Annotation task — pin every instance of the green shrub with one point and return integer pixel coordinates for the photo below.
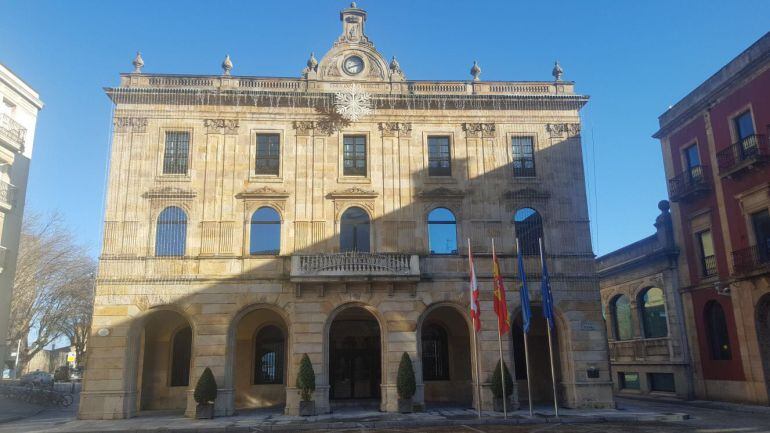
(497, 386)
(406, 384)
(306, 378)
(206, 388)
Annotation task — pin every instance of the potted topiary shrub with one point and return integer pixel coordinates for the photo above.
(406, 384)
(306, 385)
(497, 387)
(205, 395)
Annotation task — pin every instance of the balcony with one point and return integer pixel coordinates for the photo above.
(709, 266)
(743, 155)
(7, 195)
(355, 266)
(751, 259)
(12, 133)
(690, 184)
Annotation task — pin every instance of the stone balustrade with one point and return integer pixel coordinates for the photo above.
(352, 266)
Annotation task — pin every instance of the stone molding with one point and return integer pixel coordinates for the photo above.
(169, 193)
(396, 129)
(559, 130)
(441, 193)
(130, 124)
(221, 126)
(482, 130)
(304, 127)
(264, 192)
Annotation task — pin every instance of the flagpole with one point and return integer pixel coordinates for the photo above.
(550, 343)
(475, 342)
(526, 346)
(500, 345)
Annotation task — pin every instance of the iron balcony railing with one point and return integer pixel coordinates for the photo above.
(751, 258)
(690, 183)
(7, 193)
(12, 130)
(750, 150)
(709, 266)
(354, 265)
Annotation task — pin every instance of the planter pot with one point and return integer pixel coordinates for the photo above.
(307, 408)
(499, 404)
(204, 411)
(405, 405)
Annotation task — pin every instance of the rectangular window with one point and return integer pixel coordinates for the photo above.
(744, 127)
(761, 222)
(354, 155)
(661, 382)
(176, 152)
(628, 380)
(439, 159)
(523, 151)
(692, 158)
(708, 259)
(268, 155)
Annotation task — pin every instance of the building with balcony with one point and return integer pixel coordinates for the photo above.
(19, 107)
(251, 220)
(644, 314)
(715, 152)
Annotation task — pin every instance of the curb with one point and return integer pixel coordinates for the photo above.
(704, 404)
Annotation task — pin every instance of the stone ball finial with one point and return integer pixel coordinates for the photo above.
(312, 63)
(664, 206)
(138, 63)
(475, 71)
(227, 65)
(557, 71)
(353, 5)
(394, 66)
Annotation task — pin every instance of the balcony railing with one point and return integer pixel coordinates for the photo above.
(12, 132)
(709, 266)
(690, 184)
(751, 259)
(743, 154)
(355, 266)
(7, 194)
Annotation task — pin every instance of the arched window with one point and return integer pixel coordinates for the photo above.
(268, 356)
(171, 232)
(716, 331)
(181, 350)
(265, 232)
(620, 308)
(442, 231)
(435, 353)
(529, 230)
(652, 308)
(354, 230)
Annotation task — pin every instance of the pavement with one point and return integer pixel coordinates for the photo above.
(632, 416)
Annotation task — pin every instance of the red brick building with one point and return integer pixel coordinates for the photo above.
(717, 161)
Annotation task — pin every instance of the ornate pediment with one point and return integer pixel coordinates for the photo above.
(441, 193)
(263, 193)
(169, 193)
(353, 193)
(526, 194)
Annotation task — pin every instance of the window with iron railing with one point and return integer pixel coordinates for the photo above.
(707, 255)
(523, 152)
(268, 154)
(176, 152)
(439, 159)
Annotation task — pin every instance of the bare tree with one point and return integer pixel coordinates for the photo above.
(78, 325)
(51, 272)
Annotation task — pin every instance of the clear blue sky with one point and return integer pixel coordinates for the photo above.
(634, 58)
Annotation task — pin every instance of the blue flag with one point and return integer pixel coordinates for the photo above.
(545, 291)
(526, 313)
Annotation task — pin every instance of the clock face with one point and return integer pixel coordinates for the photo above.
(353, 65)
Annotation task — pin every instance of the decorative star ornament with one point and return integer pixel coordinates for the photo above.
(353, 103)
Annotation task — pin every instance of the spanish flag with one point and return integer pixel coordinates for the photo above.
(501, 306)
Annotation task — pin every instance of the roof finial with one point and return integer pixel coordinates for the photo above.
(394, 66)
(475, 71)
(557, 71)
(227, 65)
(312, 63)
(353, 5)
(138, 63)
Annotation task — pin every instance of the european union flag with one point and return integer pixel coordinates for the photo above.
(545, 291)
(526, 313)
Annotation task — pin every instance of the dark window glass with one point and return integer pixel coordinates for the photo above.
(354, 230)
(171, 232)
(761, 223)
(176, 152)
(268, 155)
(691, 156)
(628, 380)
(708, 258)
(181, 351)
(442, 232)
(439, 160)
(265, 232)
(621, 318)
(523, 151)
(529, 230)
(435, 353)
(661, 382)
(652, 306)
(269, 356)
(744, 127)
(354, 155)
(716, 331)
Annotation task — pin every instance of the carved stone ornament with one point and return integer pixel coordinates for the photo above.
(304, 127)
(221, 126)
(352, 193)
(396, 129)
(484, 130)
(353, 103)
(264, 192)
(130, 124)
(169, 193)
(441, 193)
(557, 130)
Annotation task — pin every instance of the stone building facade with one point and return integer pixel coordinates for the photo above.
(252, 220)
(643, 309)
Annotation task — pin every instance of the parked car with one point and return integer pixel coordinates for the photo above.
(39, 379)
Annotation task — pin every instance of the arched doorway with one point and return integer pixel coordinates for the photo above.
(355, 370)
(164, 374)
(539, 359)
(260, 372)
(763, 335)
(445, 352)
